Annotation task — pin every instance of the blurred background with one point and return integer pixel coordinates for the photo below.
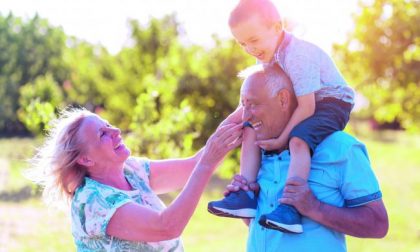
(165, 73)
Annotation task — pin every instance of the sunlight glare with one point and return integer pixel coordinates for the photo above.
(105, 22)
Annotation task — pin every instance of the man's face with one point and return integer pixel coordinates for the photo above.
(262, 109)
(257, 38)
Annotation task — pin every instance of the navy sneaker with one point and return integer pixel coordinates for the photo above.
(284, 218)
(240, 204)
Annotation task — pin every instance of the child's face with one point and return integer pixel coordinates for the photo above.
(257, 38)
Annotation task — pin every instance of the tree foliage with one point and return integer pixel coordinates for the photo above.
(168, 97)
(27, 50)
(382, 59)
(38, 102)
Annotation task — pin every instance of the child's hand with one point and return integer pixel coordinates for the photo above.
(272, 144)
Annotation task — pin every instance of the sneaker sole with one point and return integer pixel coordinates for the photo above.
(220, 214)
(296, 228)
(241, 213)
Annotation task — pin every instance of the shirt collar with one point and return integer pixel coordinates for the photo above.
(287, 37)
(269, 153)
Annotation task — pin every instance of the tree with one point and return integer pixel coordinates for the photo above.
(161, 124)
(38, 103)
(166, 96)
(210, 82)
(27, 50)
(382, 59)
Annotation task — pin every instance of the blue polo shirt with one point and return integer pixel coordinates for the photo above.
(340, 175)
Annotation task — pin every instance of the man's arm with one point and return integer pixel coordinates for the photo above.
(366, 221)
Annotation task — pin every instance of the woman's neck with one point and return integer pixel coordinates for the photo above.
(110, 176)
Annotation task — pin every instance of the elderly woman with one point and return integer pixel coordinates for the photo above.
(113, 196)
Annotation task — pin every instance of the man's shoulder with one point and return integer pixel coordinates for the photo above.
(343, 137)
(339, 145)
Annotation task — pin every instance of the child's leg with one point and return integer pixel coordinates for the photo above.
(286, 218)
(241, 204)
(300, 159)
(250, 155)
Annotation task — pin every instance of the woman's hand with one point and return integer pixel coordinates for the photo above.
(226, 138)
(234, 117)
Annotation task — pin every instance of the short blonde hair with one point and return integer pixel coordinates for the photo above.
(55, 166)
(265, 9)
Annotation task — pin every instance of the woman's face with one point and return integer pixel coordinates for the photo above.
(103, 142)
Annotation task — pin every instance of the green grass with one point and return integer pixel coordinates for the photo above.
(30, 226)
(395, 157)
(14, 155)
(209, 233)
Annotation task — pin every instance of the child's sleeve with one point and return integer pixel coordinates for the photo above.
(304, 72)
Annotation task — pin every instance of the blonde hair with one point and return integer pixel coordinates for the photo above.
(55, 166)
(265, 9)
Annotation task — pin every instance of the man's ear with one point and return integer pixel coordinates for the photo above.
(283, 97)
(85, 161)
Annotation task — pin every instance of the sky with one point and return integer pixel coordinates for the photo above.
(105, 22)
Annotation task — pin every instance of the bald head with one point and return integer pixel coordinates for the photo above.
(269, 76)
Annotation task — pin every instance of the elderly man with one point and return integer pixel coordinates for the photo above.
(343, 196)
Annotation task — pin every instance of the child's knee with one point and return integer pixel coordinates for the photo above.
(297, 144)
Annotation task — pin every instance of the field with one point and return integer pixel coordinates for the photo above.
(26, 224)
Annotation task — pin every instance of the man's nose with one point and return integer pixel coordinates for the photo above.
(115, 131)
(246, 115)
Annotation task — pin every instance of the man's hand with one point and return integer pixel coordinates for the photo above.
(298, 194)
(272, 144)
(239, 182)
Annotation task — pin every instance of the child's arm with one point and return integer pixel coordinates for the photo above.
(305, 109)
(250, 153)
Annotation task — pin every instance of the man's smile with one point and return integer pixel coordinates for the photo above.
(256, 125)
